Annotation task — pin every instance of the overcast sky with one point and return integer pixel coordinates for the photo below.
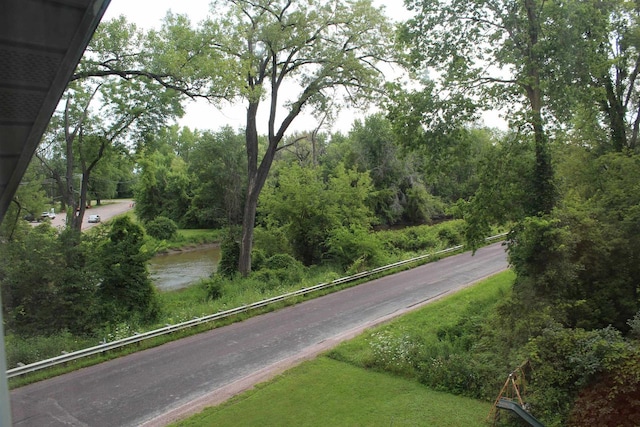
(201, 115)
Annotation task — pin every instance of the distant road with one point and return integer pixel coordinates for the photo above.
(107, 210)
(156, 386)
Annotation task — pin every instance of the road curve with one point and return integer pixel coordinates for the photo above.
(107, 210)
(156, 386)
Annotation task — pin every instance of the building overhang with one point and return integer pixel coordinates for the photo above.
(41, 43)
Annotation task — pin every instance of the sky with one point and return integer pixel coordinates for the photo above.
(202, 115)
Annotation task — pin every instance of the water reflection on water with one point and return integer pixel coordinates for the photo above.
(182, 269)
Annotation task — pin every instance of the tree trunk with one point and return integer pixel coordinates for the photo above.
(543, 187)
(251, 200)
(248, 223)
(257, 176)
(616, 111)
(69, 194)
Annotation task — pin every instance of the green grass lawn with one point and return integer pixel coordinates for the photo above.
(326, 392)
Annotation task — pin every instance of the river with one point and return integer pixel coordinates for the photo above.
(177, 270)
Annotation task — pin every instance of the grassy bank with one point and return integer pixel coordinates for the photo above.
(325, 392)
(369, 380)
(190, 238)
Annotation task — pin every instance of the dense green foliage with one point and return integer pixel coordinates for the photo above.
(161, 228)
(193, 178)
(54, 282)
(311, 209)
(276, 273)
(48, 283)
(125, 290)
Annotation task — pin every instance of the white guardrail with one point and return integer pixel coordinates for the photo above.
(101, 348)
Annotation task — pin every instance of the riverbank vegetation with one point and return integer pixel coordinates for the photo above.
(31, 336)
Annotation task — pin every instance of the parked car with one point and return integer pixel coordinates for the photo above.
(94, 218)
(50, 215)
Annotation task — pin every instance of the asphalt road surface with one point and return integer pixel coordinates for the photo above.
(160, 385)
(107, 210)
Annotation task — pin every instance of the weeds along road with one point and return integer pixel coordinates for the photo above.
(157, 386)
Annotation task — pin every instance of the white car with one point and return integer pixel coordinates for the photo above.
(46, 215)
(94, 218)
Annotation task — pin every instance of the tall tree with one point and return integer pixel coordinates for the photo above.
(99, 117)
(604, 37)
(163, 187)
(291, 55)
(492, 53)
(219, 162)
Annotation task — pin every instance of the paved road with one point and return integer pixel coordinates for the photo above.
(107, 210)
(156, 386)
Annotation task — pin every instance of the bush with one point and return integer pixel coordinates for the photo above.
(355, 245)
(272, 241)
(450, 233)
(397, 354)
(126, 291)
(422, 207)
(282, 261)
(634, 324)
(564, 361)
(410, 239)
(612, 399)
(279, 270)
(162, 228)
(452, 373)
(229, 256)
(214, 287)
(258, 258)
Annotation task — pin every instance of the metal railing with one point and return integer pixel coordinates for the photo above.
(101, 348)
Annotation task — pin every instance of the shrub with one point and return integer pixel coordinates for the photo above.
(272, 241)
(126, 291)
(282, 261)
(258, 259)
(348, 246)
(229, 256)
(421, 206)
(411, 239)
(564, 361)
(450, 234)
(634, 324)
(278, 270)
(214, 287)
(453, 373)
(398, 354)
(612, 399)
(162, 228)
